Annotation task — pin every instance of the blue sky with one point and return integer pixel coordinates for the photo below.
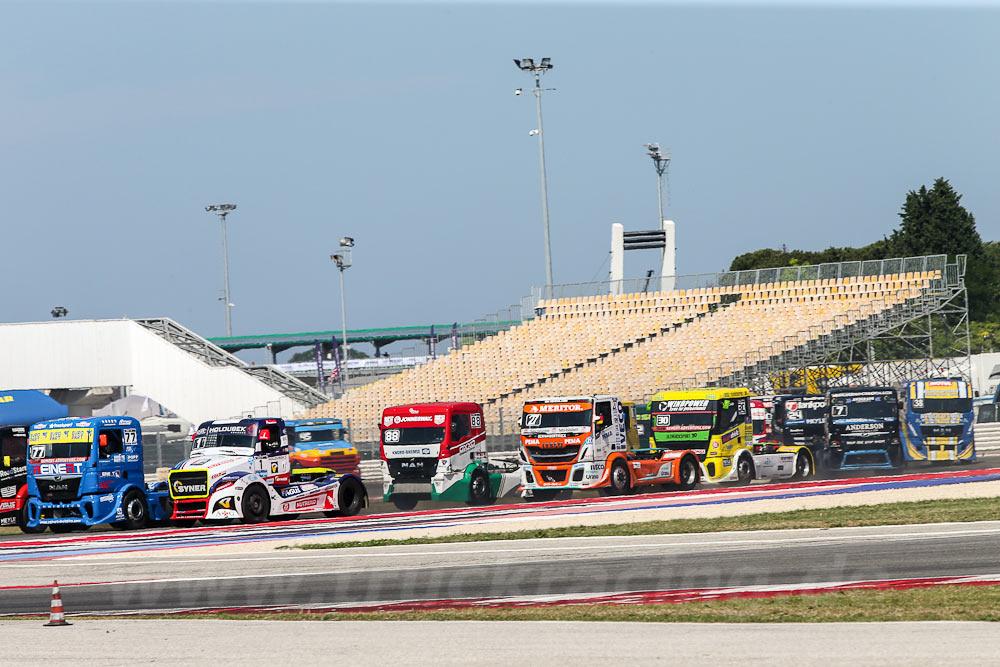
(802, 124)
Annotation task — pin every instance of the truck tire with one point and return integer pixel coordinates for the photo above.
(22, 522)
(404, 501)
(480, 492)
(803, 466)
(620, 480)
(350, 498)
(256, 504)
(744, 470)
(688, 473)
(135, 511)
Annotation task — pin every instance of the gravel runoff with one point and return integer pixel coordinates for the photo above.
(504, 524)
(179, 643)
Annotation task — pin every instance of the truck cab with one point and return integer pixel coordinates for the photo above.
(717, 424)
(14, 476)
(939, 417)
(437, 451)
(84, 472)
(591, 442)
(241, 469)
(862, 428)
(760, 418)
(321, 443)
(714, 424)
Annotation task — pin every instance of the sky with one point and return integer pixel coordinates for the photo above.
(396, 124)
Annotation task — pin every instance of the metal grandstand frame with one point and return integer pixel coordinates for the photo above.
(925, 336)
(877, 344)
(213, 355)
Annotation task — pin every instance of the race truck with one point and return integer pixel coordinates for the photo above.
(590, 442)
(18, 410)
(862, 429)
(715, 424)
(760, 417)
(320, 443)
(85, 472)
(938, 421)
(798, 420)
(437, 451)
(241, 469)
(14, 477)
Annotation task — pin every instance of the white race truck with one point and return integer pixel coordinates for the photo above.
(240, 469)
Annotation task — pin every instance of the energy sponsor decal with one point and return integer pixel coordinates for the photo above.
(181, 488)
(389, 420)
(686, 405)
(60, 435)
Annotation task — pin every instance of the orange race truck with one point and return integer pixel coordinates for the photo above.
(573, 443)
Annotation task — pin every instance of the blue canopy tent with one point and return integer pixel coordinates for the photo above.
(23, 407)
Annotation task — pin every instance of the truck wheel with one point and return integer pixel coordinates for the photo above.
(22, 522)
(896, 457)
(688, 473)
(480, 492)
(135, 511)
(621, 481)
(256, 504)
(350, 498)
(404, 502)
(803, 466)
(744, 470)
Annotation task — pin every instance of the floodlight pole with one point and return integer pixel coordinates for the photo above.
(344, 259)
(660, 162)
(222, 210)
(528, 65)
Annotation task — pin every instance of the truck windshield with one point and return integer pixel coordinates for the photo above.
(862, 407)
(61, 450)
(683, 421)
(579, 418)
(13, 447)
(316, 435)
(413, 435)
(923, 405)
(224, 440)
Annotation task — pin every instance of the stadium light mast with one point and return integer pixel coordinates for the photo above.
(529, 65)
(660, 161)
(344, 260)
(222, 210)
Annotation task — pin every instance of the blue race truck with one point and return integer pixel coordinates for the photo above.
(19, 409)
(862, 429)
(85, 472)
(939, 420)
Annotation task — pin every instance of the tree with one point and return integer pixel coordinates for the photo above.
(935, 222)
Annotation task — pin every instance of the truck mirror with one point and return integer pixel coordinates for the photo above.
(520, 421)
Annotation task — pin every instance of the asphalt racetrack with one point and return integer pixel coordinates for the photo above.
(238, 566)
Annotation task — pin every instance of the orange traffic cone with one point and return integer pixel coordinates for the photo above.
(56, 616)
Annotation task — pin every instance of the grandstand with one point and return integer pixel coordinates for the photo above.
(636, 344)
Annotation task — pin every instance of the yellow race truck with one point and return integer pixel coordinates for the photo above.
(715, 424)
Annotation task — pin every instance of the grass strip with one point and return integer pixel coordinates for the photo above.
(889, 514)
(937, 603)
